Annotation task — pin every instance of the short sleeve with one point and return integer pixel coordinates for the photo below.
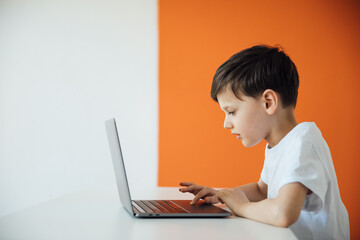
(264, 176)
(304, 166)
(264, 172)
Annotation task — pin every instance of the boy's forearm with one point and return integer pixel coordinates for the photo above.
(281, 211)
(265, 211)
(252, 192)
(270, 211)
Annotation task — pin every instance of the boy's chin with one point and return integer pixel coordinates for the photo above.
(249, 144)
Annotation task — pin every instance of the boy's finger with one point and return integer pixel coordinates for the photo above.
(192, 188)
(212, 199)
(184, 190)
(186, 183)
(218, 196)
(198, 196)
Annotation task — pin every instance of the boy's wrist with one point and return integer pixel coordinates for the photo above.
(241, 209)
(236, 200)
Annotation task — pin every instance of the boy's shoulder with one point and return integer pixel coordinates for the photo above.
(305, 137)
(307, 144)
(305, 132)
(306, 129)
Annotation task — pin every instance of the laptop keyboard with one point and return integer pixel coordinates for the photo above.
(157, 206)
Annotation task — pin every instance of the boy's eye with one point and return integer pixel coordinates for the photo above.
(231, 113)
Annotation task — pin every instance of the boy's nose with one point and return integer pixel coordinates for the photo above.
(227, 124)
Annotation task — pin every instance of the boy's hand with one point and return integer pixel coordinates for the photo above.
(233, 198)
(201, 192)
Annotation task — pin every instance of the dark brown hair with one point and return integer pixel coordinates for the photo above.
(256, 69)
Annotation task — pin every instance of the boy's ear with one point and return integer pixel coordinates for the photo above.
(271, 101)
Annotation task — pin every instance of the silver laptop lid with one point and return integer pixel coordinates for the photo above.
(118, 163)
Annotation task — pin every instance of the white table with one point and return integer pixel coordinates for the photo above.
(98, 214)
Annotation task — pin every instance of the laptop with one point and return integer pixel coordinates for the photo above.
(152, 208)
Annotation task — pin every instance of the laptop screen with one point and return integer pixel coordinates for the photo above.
(118, 163)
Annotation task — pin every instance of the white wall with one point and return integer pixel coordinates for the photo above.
(65, 67)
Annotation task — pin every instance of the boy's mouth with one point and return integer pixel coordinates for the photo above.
(238, 136)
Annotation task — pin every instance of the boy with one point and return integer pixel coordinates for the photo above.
(257, 89)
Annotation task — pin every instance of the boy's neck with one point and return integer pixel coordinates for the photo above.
(284, 122)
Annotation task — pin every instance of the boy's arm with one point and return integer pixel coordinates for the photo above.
(281, 211)
(254, 191)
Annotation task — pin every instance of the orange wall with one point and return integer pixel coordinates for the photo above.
(321, 37)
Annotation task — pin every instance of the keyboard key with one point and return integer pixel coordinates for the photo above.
(167, 206)
(143, 206)
(176, 207)
(154, 208)
(137, 207)
(159, 206)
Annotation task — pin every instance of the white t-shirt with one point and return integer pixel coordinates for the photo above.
(303, 156)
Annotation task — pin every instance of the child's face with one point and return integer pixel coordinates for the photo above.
(246, 118)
